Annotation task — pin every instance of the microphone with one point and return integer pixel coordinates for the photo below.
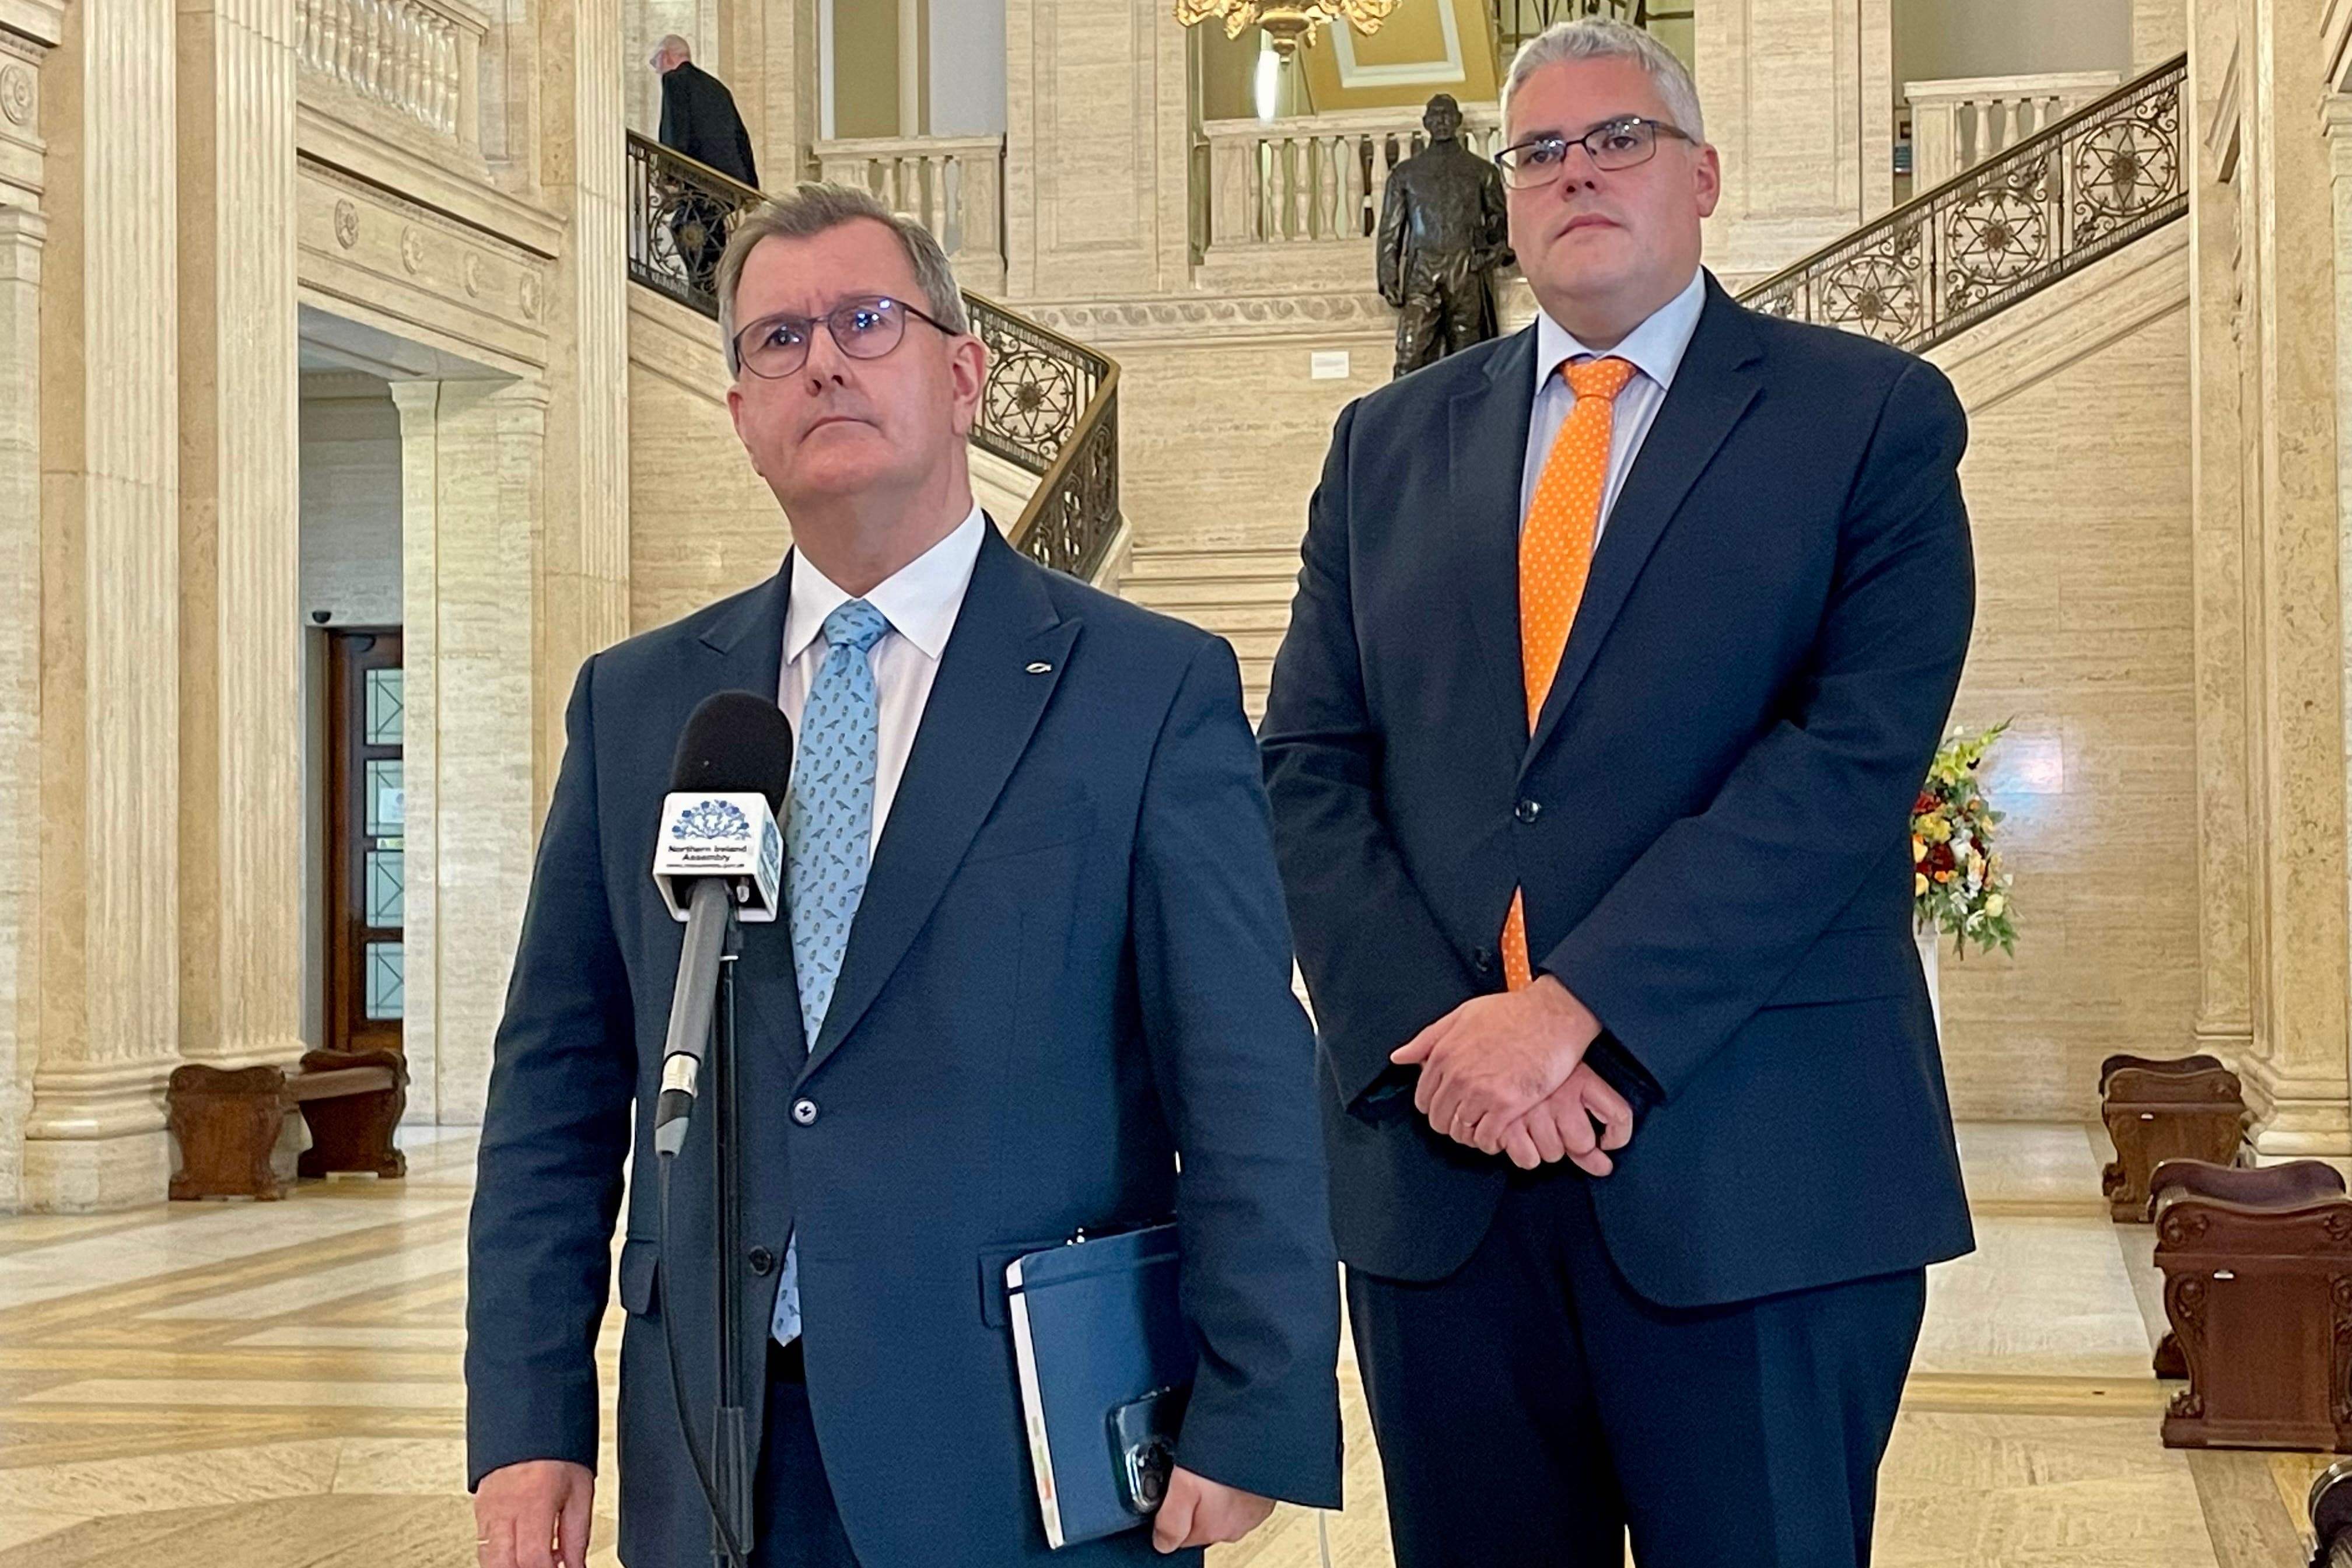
(718, 859)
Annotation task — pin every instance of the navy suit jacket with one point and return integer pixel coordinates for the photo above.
(1711, 819)
(1071, 965)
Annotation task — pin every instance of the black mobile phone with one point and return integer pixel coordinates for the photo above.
(1143, 1446)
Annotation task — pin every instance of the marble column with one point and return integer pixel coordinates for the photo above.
(472, 490)
(583, 583)
(23, 233)
(241, 714)
(2224, 1023)
(109, 584)
(1098, 172)
(2298, 1079)
(419, 403)
(910, 68)
(1798, 97)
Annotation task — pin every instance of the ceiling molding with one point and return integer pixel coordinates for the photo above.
(1407, 73)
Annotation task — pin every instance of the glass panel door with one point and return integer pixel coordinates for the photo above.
(367, 813)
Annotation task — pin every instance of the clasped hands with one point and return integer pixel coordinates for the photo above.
(1505, 1074)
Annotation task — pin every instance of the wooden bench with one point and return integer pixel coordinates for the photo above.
(2267, 1187)
(228, 1121)
(2258, 1288)
(2191, 1108)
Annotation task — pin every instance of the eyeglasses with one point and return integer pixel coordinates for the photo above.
(1619, 144)
(864, 328)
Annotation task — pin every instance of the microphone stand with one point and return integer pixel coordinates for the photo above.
(730, 1449)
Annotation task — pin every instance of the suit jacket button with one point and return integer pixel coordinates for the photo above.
(1483, 960)
(804, 1112)
(1528, 810)
(761, 1260)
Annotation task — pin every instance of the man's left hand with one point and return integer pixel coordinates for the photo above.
(1198, 1511)
(1489, 1061)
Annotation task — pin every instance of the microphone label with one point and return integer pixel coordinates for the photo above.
(733, 835)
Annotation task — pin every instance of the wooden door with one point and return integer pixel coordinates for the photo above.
(366, 816)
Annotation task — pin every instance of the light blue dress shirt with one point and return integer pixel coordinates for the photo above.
(1656, 349)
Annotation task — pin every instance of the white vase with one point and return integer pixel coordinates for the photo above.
(1928, 939)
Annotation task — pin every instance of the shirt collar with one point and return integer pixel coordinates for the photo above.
(1656, 347)
(919, 600)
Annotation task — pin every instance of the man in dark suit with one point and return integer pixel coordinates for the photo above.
(700, 121)
(1035, 953)
(1654, 870)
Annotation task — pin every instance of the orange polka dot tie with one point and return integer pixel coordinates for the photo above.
(1555, 558)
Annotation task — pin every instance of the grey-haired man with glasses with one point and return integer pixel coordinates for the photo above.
(1034, 956)
(1621, 646)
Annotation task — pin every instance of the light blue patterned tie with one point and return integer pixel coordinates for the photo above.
(829, 839)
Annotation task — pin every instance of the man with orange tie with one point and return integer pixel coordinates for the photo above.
(1620, 649)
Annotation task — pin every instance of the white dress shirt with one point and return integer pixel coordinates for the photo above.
(920, 601)
(1656, 349)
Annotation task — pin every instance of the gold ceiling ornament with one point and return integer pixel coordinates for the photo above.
(1287, 24)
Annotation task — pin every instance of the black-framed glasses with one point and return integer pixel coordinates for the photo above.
(1618, 144)
(866, 327)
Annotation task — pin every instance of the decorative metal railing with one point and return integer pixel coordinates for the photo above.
(1050, 405)
(680, 213)
(1517, 21)
(2045, 208)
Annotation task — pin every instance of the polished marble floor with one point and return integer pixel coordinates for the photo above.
(277, 1386)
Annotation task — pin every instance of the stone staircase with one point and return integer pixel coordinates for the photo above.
(2103, 187)
(1242, 596)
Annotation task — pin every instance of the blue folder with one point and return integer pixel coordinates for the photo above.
(1106, 1360)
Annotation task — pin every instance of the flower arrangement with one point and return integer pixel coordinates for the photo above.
(1959, 885)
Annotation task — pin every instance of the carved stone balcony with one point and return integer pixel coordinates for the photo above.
(408, 68)
(952, 185)
(1958, 124)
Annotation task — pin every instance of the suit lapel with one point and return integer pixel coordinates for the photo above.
(983, 707)
(1488, 454)
(746, 653)
(1712, 387)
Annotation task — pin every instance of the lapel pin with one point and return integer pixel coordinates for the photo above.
(1041, 667)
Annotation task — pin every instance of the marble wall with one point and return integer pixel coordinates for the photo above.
(22, 232)
(2078, 485)
(701, 524)
(351, 501)
(1205, 466)
(1799, 96)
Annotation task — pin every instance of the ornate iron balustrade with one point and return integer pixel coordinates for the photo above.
(1517, 21)
(2045, 208)
(680, 213)
(1050, 405)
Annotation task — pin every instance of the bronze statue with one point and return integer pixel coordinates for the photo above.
(1443, 233)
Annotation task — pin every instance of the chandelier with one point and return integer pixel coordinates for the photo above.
(1287, 24)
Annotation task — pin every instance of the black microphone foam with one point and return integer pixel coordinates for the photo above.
(735, 742)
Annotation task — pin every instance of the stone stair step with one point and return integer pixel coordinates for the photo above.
(1213, 565)
(1169, 593)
